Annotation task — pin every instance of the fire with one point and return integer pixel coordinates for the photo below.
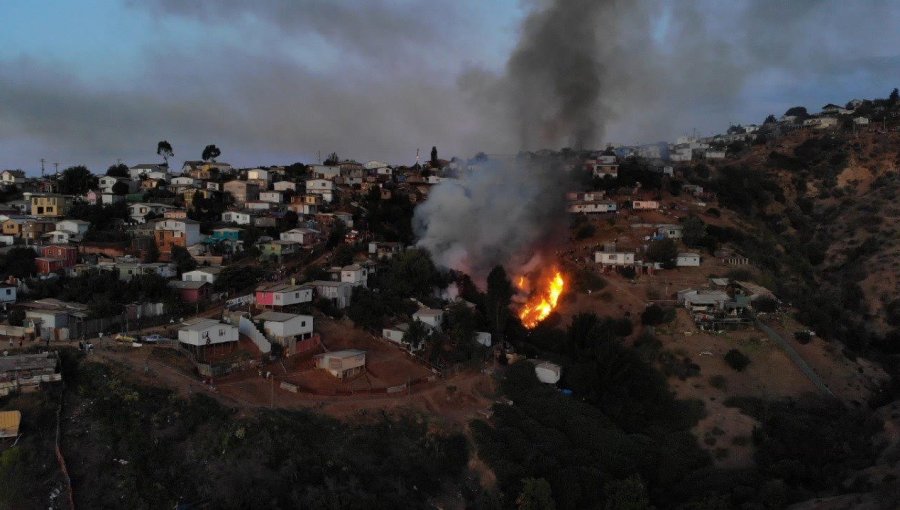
(542, 300)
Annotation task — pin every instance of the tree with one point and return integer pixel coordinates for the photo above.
(536, 495)
(120, 188)
(797, 111)
(16, 317)
(332, 159)
(76, 180)
(153, 254)
(693, 231)
(211, 152)
(894, 97)
(117, 170)
(663, 251)
(416, 335)
(164, 149)
(183, 260)
(737, 360)
(496, 301)
(434, 157)
(627, 494)
(19, 262)
(770, 119)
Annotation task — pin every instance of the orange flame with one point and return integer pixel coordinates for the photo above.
(542, 301)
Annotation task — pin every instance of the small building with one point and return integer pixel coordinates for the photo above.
(202, 274)
(76, 227)
(432, 317)
(68, 254)
(237, 217)
(9, 423)
(50, 205)
(25, 373)
(47, 265)
(8, 294)
(644, 205)
(384, 251)
(282, 294)
(242, 191)
(286, 329)
(687, 260)
(303, 236)
(272, 197)
(227, 234)
(483, 338)
(204, 332)
(355, 275)
(703, 300)
(397, 334)
(589, 207)
(191, 291)
(339, 293)
(342, 364)
(614, 258)
(284, 186)
(670, 231)
(279, 249)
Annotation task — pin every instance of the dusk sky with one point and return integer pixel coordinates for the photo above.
(274, 82)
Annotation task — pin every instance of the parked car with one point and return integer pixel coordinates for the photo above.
(125, 338)
(152, 339)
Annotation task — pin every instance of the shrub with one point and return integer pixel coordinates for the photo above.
(718, 382)
(655, 314)
(16, 317)
(737, 360)
(804, 337)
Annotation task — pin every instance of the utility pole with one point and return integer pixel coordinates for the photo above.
(42, 168)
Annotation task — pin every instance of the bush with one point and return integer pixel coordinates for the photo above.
(655, 314)
(718, 382)
(737, 360)
(16, 317)
(803, 337)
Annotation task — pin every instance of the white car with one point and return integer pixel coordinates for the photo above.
(152, 339)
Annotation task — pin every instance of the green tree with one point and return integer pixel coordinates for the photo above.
(332, 159)
(16, 317)
(117, 170)
(210, 152)
(894, 96)
(627, 494)
(416, 335)
(120, 188)
(19, 262)
(536, 495)
(499, 294)
(183, 260)
(797, 111)
(76, 180)
(770, 119)
(164, 149)
(663, 251)
(737, 360)
(693, 231)
(434, 157)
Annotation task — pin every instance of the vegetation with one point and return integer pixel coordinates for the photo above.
(76, 180)
(737, 360)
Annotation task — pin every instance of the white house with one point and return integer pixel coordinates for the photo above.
(355, 275)
(641, 205)
(397, 334)
(687, 260)
(257, 205)
(76, 227)
(321, 187)
(258, 174)
(273, 197)
(203, 274)
(304, 236)
(483, 338)
(284, 186)
(182, 180)
(285, 329)
(339, 293)
(188, 229)
(7, 294)
(548, 373)
(614, 258)
(205, 332)
(59, 237)
(241, 218)
(140, 210)
(136, 171)
(861, 121)
(713, 154)
(324, 172)
(10, 177)
(430, 316)
(342, 364)
(283, 294)
(670, 231)
(591, 207)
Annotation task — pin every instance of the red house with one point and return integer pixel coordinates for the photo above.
(191, 292)
(47, 265)
(68, 254)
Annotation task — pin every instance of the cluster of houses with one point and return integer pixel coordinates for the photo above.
(723, 303)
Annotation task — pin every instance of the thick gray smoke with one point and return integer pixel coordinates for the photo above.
(496, 213)
(555, 76)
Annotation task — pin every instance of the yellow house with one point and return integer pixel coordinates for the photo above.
(9, 423)
(50, 205)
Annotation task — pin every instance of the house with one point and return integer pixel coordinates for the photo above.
(259, 177)
(12, 177)
(58, 237)
(483, 338)
(257, 205)
(430, 316)
(111, 198)
(47, 265)
(343, 364)
(383, 250)
(605, 166)
(272, 197)
(339, 293)
(13, 227)
(302, 236)
(237, 217)
(833, 109)
(34, 229)
(397, 334)
(285, 329)
(324, 172)
(670, 231)
(182, 181)
(242, 191)
(191, 291)
(714, 154)
(199, 333)
(24, 373)
(614, 258)
(108, 182)
(355, 275)
(279, 249)
(591, 207)
(227, 234)
(861, 121)
(8, 294)
(139, 211)
(75, 227)
(169, 233)
(641, 205)
(687, 260)
(282, 294)
(203, 274)
(321, 187)
(68, 254)
(50, 205)
(704, 300)
(136, 171)
(283, 186)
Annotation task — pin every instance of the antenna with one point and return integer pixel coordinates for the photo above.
(417, 156)
(56, 166)
(42, 168)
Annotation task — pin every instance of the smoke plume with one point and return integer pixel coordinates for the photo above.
(497, 213)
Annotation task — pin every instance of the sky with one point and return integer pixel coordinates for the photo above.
(274, 82)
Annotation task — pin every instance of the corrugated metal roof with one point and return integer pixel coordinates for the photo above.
(9, 423)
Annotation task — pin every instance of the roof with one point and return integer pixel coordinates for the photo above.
(208, 269)
(27, 362)
(201, 324)
(328, 283)
(278, 316)
(178, 284)
(429, 312)
(9, 423)
(280, 287)
(346, 353)
(688, 254)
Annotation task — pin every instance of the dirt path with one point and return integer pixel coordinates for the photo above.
(795, 357)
